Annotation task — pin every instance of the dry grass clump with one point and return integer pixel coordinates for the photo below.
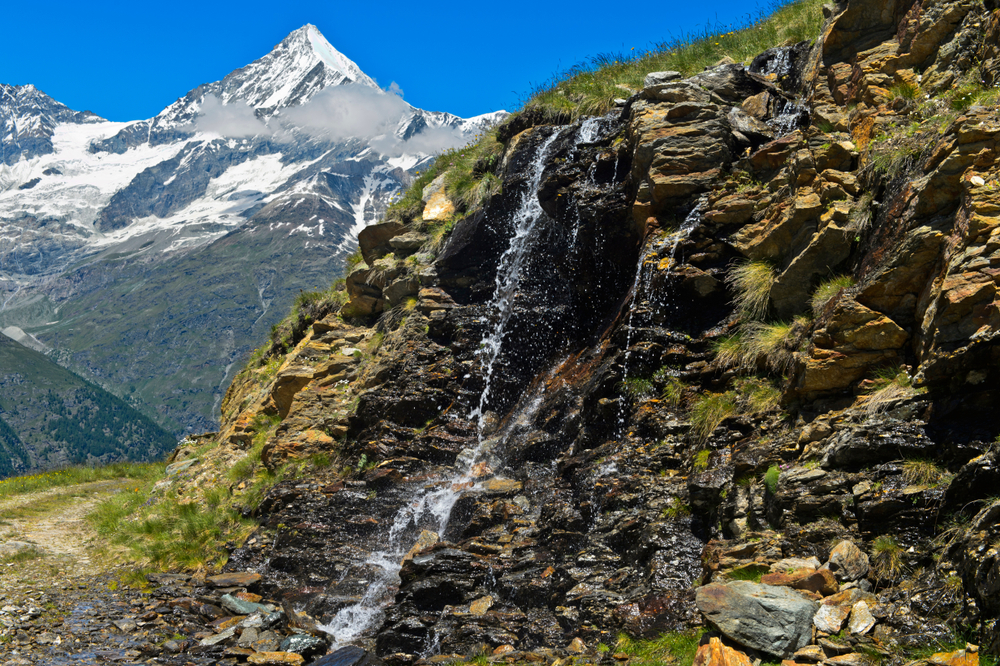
(889, 386)
(752, 282)
(923, 472)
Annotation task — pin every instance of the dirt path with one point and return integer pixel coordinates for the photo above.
(53, 522)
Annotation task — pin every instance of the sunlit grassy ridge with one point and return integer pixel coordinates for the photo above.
(591, 88)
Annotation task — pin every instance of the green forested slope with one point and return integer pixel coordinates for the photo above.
(50, 417)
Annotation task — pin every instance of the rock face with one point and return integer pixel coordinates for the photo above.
(563, 421)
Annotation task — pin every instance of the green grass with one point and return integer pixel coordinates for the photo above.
(590, 88)
(637, 388)
(71, 476)
(905, 90)
(751, 281)
(470, 181)
(771, 343)
(757, 396)
(771, 477)
(677, 509)
(170, 532)
(708, 411)
(887, 558)
(668, 648)
(700, 461)
(750, 572)
(730, 351)
(828, 290)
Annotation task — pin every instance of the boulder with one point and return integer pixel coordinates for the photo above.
(831, 618)
(820, 581)
(659, 78)
(438, 207)
(407, 243)
(345, 656)
(774, 620)
(861, 620)
(374, 240)
(848, 562)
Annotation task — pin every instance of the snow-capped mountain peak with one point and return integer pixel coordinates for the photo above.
(330, 56)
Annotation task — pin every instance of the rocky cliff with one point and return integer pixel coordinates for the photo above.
(725, 357)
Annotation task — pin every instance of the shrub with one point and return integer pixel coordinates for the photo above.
(828, 290)
(752, 281)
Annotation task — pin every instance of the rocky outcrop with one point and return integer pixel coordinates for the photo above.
(561, 423)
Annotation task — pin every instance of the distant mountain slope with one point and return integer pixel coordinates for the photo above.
(50, 417)
(151, 256)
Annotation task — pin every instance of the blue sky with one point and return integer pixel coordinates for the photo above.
(128, 61)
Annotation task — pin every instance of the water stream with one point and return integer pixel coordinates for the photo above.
(431, 509)
(649, 261)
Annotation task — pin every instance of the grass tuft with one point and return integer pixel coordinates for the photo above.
(923, 472)
(887, 558)
(890, 385)
(708, 411)
(752, 282)
(770, 343)
(829, 290)
(669, 648)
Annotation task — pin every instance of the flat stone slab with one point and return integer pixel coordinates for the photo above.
(239, 579)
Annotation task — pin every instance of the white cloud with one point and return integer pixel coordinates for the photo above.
(348, 111)
(231, 120)
(336, 113)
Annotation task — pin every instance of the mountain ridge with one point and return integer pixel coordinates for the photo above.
(125, 203)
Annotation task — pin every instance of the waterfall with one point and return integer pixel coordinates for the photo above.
(649, 257)
(431, 509)
(508, 277)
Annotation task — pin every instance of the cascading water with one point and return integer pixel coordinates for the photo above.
(431, 510)
(648, 260)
